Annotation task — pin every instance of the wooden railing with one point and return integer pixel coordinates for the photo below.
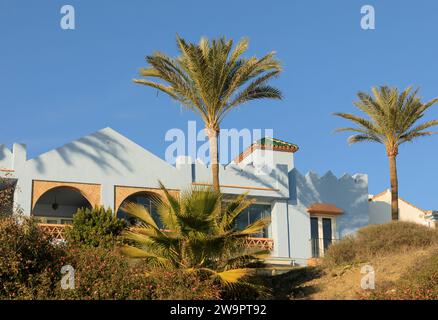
(56, 231)
(260, 243)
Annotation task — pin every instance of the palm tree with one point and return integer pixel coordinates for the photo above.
(198, 234)
(212, 78)
(392, 119)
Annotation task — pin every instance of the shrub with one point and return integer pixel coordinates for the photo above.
(102, 273)
(201, 235)
(381, 239)
(342, 252)
(96, 227)
(175, 284)
(7, 188)
(28, 261)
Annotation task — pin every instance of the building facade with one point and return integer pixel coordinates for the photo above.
(307, 212)
(380, 211)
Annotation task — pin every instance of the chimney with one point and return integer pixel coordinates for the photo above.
(19, 155)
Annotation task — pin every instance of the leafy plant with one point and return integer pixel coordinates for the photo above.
(392, 119)
(95, 227)
(211, 79)
(7, 188)
(200, 235)
(29, 264)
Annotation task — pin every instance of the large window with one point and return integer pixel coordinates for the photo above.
(145, 200)
(252, 214)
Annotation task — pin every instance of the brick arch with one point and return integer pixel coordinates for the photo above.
(121, 193)
(91, 192)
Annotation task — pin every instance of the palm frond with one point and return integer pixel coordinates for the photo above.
(392, 117)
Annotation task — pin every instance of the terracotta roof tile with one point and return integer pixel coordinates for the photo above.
(324, 208)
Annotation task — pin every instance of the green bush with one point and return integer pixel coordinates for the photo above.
(95, 228)
(29, 262)
(175, 284)
(102, 273)
(30, 268)
(7, 188)
(381, 239)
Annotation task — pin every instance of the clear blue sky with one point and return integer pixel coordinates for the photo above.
(56, 85)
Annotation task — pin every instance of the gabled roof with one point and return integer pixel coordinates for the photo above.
(267, 143)
(381, 194)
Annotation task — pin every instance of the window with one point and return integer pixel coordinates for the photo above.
(322, 230)
(252, 214)
(147, 201)
(327, 232)
(314, 235)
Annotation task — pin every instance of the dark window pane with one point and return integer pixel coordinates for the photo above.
(251, 215)
(314, 235)
(147, 202)
(327, 231)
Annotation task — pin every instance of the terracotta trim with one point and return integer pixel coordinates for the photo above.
(400, 198)
(253, 147)
(90, 191)
(234, 186)
(379, 195)
(324, 209)
(412, 205)
(121, 193)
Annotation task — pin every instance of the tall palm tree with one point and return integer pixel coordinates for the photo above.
(211, 79)
(198, 234)
(392, 119)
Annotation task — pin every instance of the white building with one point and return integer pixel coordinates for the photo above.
(380, 211)
(105, 168)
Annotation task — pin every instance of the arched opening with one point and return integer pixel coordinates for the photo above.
(59, 204)
(145, 199)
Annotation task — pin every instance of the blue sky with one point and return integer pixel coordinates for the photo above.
(57, 85)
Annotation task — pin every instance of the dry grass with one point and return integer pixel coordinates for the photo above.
(394, 250)
(343, 282)
(380, 240)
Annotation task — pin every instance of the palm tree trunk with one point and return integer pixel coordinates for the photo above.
(394, 186)
(214, 157)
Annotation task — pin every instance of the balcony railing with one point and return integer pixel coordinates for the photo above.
(56, 231)
(260, 243)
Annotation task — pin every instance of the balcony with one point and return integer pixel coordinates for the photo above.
(56, 231)
(260, 243)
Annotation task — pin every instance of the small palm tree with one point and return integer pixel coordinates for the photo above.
(392, 119)
(211, 79)
(198, 235)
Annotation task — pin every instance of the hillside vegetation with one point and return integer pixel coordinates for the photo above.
(404, 257)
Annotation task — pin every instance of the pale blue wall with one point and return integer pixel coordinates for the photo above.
(110, 159)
